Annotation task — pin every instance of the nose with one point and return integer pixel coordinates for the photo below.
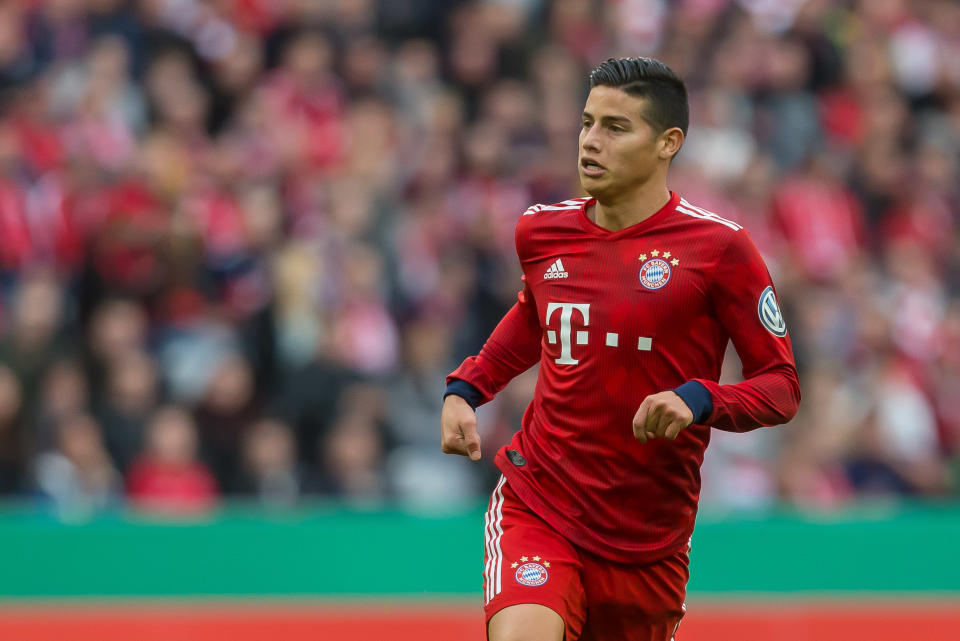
(590, 139)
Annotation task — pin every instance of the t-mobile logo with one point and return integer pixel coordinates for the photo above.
(566, 318)
(644, 343)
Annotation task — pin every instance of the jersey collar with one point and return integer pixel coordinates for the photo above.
(644, 225)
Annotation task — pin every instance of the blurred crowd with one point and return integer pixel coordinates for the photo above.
(243, 241)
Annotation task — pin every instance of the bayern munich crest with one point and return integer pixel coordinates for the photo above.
(655, 272)
(530, 571)
(532, 574)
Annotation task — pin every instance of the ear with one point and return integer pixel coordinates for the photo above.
(670, 142)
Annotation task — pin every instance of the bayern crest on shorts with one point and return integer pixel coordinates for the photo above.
(654, 273)
(532, 574)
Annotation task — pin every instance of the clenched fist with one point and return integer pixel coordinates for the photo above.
(458, 428)
(663, 414)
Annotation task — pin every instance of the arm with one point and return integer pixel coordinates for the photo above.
(512, 348)
(770, 391)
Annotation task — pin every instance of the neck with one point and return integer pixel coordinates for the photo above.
(621, 212)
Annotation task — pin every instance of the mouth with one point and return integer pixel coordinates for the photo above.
(590, 167)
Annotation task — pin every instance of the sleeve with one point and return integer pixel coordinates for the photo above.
(745, 302)
(513, 348)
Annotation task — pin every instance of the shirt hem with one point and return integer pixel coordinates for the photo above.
(580, 537)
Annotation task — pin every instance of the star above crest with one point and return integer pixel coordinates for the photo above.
(664, 255)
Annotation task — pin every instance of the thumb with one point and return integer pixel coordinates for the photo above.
(640, 420)
(472, 441)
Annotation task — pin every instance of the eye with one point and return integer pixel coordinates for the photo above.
(617, 128)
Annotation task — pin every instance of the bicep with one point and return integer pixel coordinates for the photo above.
(746, 303)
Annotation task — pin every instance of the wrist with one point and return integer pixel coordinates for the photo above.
(466, 391)
(697, 398)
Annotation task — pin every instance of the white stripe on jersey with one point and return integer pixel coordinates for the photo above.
(722, 221)
(573, 203)
(707, 212)
(707, 215)
(537, 210)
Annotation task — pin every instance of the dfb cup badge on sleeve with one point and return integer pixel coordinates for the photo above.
(769, 312)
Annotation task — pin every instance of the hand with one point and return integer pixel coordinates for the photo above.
(458, 428)
(663, 414)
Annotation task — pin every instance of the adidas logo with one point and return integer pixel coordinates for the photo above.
(556, 271)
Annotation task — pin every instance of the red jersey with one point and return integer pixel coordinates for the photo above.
(613, 317)
(164, 487)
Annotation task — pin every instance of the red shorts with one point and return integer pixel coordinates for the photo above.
(527, 561)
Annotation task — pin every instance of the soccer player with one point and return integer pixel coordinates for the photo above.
(630, 297)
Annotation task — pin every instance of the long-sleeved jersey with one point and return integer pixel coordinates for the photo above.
(613, 317)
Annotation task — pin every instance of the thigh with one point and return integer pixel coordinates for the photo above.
(526, 621)
(527, 561)
(634, 602)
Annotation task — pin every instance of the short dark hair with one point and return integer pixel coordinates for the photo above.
(664, 90)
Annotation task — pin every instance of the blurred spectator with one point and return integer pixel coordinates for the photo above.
(305, 96)
(789, 111)
(32, 341)
(899, 450)
(103, 109)
(271, 473)
(363, 335)
(64, 393)
(168, 478)
(117, 327)
(351, 453)
(18, 58)
(131, 394)
(223, 414)
(820, 219)
(412, 396)
(192, 346)
(416, 468)
(77, 476)
(12, 433)
(810, 471)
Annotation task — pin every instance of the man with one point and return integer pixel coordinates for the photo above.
(630, 297)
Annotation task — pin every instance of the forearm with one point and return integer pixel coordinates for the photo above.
(770, 398)
(512, 348)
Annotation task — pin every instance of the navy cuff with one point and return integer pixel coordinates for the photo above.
(698, 399)
(464, 390)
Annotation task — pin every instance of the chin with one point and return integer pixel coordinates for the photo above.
(592, 186)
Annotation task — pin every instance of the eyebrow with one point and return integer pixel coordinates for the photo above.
(609, 119)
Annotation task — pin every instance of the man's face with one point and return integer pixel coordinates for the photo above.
(619, 150)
